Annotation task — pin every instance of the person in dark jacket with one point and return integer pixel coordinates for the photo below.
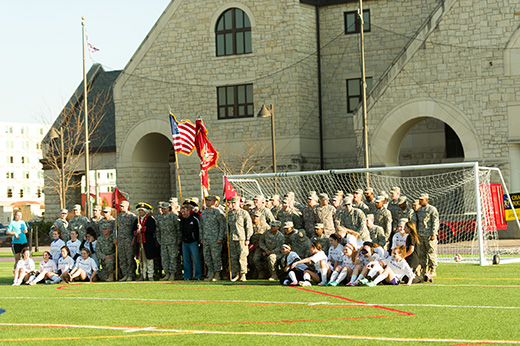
(143, 229)
(190, 243)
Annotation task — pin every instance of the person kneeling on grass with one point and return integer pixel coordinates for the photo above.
(344, 270)
(321, 264)
(47, 269)
(295, 274)
(85, 269)
(395, 267)
(24, 268)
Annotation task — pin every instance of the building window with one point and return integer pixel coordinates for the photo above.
(352, 23)
(10, 159)
(21, 193)
(39, 193)
(235, 101)
(233, 33)
(26, 175)
(25, 160)
(9, 192)
(354, 94)
(38, 145)
(8, 129)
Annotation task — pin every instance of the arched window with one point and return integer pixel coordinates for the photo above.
(233, 33)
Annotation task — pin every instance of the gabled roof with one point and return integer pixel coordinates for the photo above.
(100, 106)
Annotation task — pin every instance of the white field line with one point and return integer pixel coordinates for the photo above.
(269, 302)
(175, 331)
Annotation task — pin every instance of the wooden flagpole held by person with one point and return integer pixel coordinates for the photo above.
(178, 176)
(228, 243)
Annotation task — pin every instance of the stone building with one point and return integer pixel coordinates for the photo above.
(441, 87)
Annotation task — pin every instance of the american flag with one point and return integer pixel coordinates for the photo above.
(183, 133)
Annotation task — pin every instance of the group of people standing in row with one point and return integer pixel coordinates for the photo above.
(356, 237)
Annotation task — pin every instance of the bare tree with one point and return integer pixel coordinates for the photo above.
(252, 157)
(70, 126)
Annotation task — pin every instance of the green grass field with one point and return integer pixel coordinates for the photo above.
(466, 305)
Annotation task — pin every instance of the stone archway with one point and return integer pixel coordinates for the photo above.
(144, 166)
(390, 132)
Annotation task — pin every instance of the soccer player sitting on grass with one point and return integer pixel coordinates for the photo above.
(47, 269)
(345, 268)
(321, 264)
(295, 274)
(65, 265)
(24, 268)
(395, 267)
(85, 269)
(365, 255)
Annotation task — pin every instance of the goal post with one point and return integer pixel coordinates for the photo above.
(469, 199)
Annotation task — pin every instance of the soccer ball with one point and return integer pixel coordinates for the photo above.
(457, 258)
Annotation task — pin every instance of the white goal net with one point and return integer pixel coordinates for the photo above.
(470, 206)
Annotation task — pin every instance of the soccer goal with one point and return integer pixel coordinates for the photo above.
(469, 198)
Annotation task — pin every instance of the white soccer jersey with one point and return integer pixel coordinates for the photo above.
(88, 265)
(400, 268)
(347, 262)
(317, 257)
(293, 257)
(335, 254)
(65, 264)
(55, 251)
(48, 266)
(27, 265)
(74, 247)
(398, 240)
(381, 253)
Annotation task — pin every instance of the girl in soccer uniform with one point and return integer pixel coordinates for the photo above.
(74, 245)
(365, 255)
(90, 244)
(65, 264)
(85, 268)
(46, 269)
(56, 245)
(321, 264)
(400, 236)
(335, 250)
(395, 267)
(343, 271)
(24, 268)
(295, 274)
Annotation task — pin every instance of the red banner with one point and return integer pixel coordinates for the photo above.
(229, 190)
(208, 155)
(118, 198)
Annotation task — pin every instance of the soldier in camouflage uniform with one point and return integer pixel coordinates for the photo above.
(377, 234)
(271, 244)
(107, 218)
(266, 216)
(125, 250)
(382, 217)
(358, 203)
(106, 251)
(297, 239)
(326, 214)
(427, 221)
(321, 238)
(370, 200)
(255, 257)
(79, 223)
(276, 206)
(168, 235)
(354, 219)
(289, 213)
(308, 214)
(393, 205)
(404, 211)
(62, 224)
(94, 220)
(240, 231)
(212, 235)
(294, 203)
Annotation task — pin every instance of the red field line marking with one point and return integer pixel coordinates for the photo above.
(248, 303)
(357, 302)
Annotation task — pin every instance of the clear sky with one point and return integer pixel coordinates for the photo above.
(41, 54)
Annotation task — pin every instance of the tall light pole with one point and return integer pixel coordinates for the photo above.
(53, 135)
(266, 112)
(364, 88)
(87, 141)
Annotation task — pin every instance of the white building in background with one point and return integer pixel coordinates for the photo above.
(21, 183)
(104, 181)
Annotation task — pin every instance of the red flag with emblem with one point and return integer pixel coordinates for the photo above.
(118, 198)
(208, 155)
(229, 190)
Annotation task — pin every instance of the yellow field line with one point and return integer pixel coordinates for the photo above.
(95, 337)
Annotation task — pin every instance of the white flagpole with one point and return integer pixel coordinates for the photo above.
(87, 149)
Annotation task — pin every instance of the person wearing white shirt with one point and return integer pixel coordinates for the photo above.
(24, 268)
(345, 268)
(46, 269)
(74, 244)
(56, 245)
(395, 268)
(65, 264)
(321, 264)
(85, 268)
